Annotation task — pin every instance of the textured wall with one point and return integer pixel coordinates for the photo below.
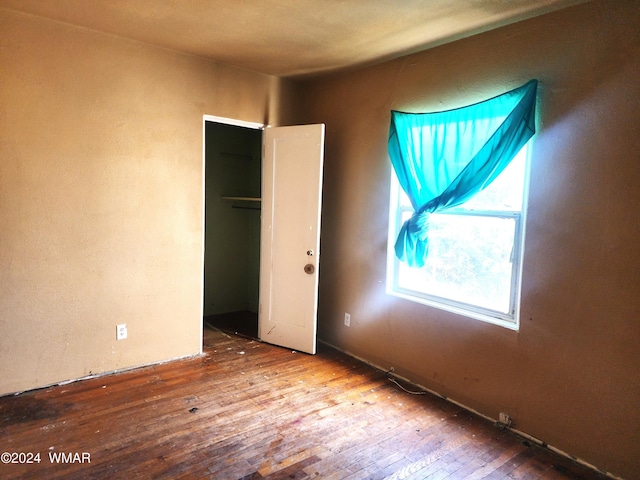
(570, 375)
(101, 196)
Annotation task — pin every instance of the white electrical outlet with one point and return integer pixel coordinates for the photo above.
(347, 319)
(121, 331)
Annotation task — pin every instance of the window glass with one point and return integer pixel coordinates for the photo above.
(473, 264)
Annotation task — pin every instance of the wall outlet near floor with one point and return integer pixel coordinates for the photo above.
(504, 419)
(121, 331)
(347, 319)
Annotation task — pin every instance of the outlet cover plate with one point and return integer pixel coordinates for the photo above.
(121, 331)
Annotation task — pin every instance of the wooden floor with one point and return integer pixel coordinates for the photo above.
(250, 410)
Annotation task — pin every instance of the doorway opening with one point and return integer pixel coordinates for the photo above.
(232, 205)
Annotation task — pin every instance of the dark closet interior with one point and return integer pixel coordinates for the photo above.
(233, 161)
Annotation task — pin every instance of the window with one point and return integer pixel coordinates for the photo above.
(473, 266)
(456, 224)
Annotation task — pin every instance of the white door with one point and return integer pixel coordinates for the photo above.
(290, 236)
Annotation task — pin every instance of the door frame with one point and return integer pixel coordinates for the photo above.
(224, 121)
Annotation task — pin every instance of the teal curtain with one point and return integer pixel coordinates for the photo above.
(442, 159)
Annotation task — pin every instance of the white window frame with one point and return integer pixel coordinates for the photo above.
(511, 319)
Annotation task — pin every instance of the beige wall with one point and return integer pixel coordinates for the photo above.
(570, 375)
(101, 215)
(101, 196)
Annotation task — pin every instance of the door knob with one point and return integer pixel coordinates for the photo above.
(309, 268)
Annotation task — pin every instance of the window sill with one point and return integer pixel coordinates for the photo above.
(460, 310)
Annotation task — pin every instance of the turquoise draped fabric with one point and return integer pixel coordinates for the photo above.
(442, 159)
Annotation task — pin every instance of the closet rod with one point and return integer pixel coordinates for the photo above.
(245, 208)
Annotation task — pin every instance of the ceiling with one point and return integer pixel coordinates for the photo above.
(291, 38)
